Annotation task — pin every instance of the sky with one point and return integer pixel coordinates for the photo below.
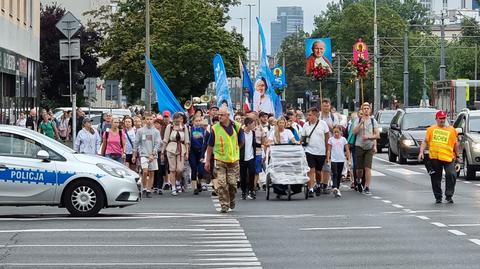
(268, 13)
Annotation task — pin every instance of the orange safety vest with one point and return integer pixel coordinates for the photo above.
(441, 142)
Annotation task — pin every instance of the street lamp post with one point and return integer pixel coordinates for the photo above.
(241, 24)
(250, 37)
(148, 88)
(376, 81)
(442, 47)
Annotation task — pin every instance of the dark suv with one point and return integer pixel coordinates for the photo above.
(407, 131)
(384, 118)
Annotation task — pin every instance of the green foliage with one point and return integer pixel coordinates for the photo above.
(185, 35)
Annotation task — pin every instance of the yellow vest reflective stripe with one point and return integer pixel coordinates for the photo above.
(226, 147)
(441, 146)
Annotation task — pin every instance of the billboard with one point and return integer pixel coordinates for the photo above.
(318, 52)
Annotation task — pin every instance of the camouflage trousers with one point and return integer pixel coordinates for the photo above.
(227, 176)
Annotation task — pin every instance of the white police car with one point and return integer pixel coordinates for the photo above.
(37, 170)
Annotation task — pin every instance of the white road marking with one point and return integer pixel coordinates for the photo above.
(101, 246)
(478, 185)
(102, 230)
(387, 201)
(220, 237)
(216, 204)
(376, 173)
(222, 234)
(246, 259)
(247, 254)
(397, 206)
(228, 264)
(465, 225)
(217, 220)
(223, 242)
(457, 232)
(407, 210)
(438, 224)
(404, 171)
(341, 228)
(87, 264)
(220, 250)
(226, 245)
(376, 197)
(467, 182)
(385, 161)
(423, 217)
(475, 241)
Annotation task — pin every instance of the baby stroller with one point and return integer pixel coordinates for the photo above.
(287, 171)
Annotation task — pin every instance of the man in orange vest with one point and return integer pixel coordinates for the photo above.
(443, 151)
(225, 141)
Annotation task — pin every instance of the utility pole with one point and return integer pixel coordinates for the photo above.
(405, 69)
(476, 71)
(442, 47)
(339, 84)
(258, 50)
(357, 94)
(148, 84)
(424, 94)
(376, 88)
(250, 38)
(241, 24)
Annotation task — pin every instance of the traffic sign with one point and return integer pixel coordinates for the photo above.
(68, 25)
(73, 53)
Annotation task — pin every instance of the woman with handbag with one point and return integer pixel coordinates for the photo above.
(113, 146)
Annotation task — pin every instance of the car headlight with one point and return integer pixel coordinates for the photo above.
(114, 171)
(476, 146)
(408, 142)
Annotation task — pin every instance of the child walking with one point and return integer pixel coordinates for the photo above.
(337, 146)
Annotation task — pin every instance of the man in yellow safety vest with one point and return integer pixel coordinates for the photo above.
(443, 151)
(225, 141)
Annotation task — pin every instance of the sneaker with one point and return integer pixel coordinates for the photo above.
(244, 196)
(367, 190)
(318, 190)
(335, 192)
(311, 194)
(449, 200)
(166, 187)
(204, 188)
(232, 205)
(325, 190)
(196, 192)
(174, 193)
(199, 187)
(264, 187)
(160, 192)
(438, 201)
(149, 194)
(155, 190)
(253, 194)
(224, 209)
(359, 188)
(339, 194)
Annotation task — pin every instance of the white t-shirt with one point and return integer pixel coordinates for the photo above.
(249, 154)
(316, 145)
(338, 147)
(285, 137)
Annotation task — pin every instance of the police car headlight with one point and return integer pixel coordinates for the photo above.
(116, 172)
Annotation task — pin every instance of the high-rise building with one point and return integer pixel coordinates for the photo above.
(19, 57)
(289, 21)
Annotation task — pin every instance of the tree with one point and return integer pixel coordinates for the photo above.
(184, 38)
(54, 76)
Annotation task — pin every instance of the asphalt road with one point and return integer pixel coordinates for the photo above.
(398, 226)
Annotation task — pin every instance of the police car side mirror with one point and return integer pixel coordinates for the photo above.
(459, 131)
(43, 154)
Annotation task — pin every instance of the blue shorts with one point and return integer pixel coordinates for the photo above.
(258, 164)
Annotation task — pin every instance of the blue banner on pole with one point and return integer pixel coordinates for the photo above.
(221, 84)
(165, 98)
(265, 98)
(280, 79)
(247, 83)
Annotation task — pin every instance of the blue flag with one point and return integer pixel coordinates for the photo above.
(165, 98)
(221, 84)
(265, 72)
(247, 83)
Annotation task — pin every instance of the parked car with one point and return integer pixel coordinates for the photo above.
(384, 117)
(407, 132)
(467, 125)
(37, 170)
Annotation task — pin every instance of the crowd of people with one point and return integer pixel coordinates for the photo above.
(226, 151)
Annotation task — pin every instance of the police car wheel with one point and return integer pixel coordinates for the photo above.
(84, 199)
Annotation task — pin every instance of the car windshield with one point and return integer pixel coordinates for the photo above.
(418, 120)
(385, 118)
(474, 124)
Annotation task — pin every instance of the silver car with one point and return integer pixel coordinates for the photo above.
(37, 170)
(467, 125)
